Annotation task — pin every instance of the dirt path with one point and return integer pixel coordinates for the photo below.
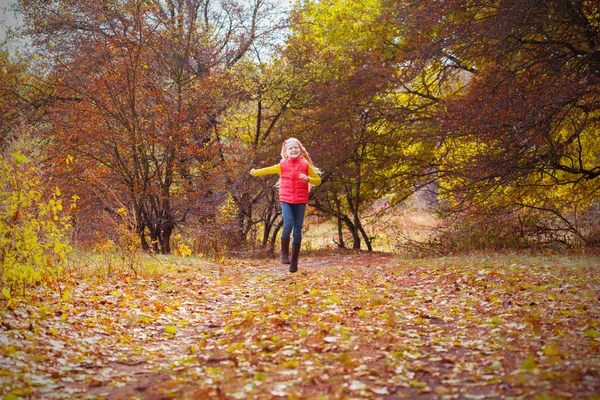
(150, 384)
(350, 326)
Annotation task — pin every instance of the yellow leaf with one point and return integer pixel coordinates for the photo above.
(6, 293)
(529, 364)
(170, 329)
(551, 350)
(260, 376)
(291, 364)
(19, 158)
(592, 333)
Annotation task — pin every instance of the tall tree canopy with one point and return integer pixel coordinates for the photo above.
(523, 131)
(160, 107)
(355, 117)
(147, 81)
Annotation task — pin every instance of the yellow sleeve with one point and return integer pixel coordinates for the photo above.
(274, 169)
(313, 178)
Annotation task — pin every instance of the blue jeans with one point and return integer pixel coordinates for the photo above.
(293, 218)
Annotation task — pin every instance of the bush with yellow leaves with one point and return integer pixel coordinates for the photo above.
(33, 228)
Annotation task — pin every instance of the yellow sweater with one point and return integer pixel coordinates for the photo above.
(313, 178)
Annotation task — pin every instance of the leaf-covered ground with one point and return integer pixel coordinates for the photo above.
(346, 326)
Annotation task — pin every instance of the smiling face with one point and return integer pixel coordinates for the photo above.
(292, 149)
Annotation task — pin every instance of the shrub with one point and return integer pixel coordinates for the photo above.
(33, 226)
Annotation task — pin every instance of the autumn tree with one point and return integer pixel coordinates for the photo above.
(10, 100)
(356, 121)
(521, 135)
(250, 128)
(24, 101)
(149, 80)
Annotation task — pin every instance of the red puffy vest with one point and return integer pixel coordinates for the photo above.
(292, 189)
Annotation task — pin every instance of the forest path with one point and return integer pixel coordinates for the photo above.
(260, 276)
(347, 325)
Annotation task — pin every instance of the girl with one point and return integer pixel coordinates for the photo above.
(297, 171)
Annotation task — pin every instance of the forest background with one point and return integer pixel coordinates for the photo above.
(134, 124)
(127, 132)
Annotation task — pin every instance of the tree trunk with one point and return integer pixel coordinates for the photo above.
(271, 250)
(165, 239)
(340, 227)
(354, 209)
(365, 237)
(241, 221)
(160, 224)
(270, 218)
(353, 230)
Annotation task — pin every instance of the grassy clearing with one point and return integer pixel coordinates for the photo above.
(391, 231)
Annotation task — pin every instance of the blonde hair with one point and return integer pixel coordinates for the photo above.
(303, 153)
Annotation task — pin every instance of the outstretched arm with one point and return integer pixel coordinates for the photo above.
(274, 169)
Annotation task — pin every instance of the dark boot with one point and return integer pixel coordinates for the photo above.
(294, 262)
(285, 251)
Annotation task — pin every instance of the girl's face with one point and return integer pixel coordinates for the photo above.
(292, 149)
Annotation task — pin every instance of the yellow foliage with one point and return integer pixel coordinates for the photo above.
(340, 24)
(33, 229)
(184, 250)
(104, 246)
(227, 212)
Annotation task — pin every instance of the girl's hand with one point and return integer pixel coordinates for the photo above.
(252, 172)
(304, 177)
